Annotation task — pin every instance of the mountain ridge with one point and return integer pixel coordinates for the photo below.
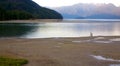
(86, 10)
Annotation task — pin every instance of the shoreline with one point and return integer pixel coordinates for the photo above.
(60, 21)
(60, 37)
(63, 51)
(32, 21)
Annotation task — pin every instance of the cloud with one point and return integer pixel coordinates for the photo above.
(57, 3)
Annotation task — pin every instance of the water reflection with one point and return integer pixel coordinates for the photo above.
(54, 30)
(15, 29)
(47, 30)
(75, 30)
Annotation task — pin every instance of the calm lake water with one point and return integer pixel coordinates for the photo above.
(81, 28)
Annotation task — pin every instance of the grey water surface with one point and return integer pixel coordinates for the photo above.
(81, 28)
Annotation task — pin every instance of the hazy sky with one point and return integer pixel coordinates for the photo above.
(58, 3)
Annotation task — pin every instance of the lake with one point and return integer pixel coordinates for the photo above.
(67, 28)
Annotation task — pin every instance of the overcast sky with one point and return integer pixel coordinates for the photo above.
(58, 3)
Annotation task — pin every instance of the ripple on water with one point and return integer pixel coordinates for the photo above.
(99, 38)
(98, 57)
(115, 39)
(103, 41)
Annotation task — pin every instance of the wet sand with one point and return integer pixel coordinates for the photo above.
(63, 51)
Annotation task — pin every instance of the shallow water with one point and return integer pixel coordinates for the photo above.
(81, 28)
(115, 39)
(98, 57)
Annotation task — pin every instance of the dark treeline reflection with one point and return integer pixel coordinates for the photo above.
(15, 29)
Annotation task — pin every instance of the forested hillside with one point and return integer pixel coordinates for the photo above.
(25, 9)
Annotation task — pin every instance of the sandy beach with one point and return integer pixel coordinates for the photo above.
(64, 51)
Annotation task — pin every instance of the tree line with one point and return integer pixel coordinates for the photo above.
(25, 9)
(14, 15)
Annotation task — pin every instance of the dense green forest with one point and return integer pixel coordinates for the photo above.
(25, 9)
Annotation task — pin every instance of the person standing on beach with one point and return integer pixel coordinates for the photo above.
(91, 34)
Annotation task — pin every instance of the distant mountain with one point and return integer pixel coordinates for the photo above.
(92, 11)
(25, 9)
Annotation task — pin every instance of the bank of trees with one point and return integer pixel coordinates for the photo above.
(25, 9)
(14, 15)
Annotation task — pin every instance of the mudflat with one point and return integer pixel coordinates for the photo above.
(64, 51)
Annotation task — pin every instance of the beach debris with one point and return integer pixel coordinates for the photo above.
(98, 57)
